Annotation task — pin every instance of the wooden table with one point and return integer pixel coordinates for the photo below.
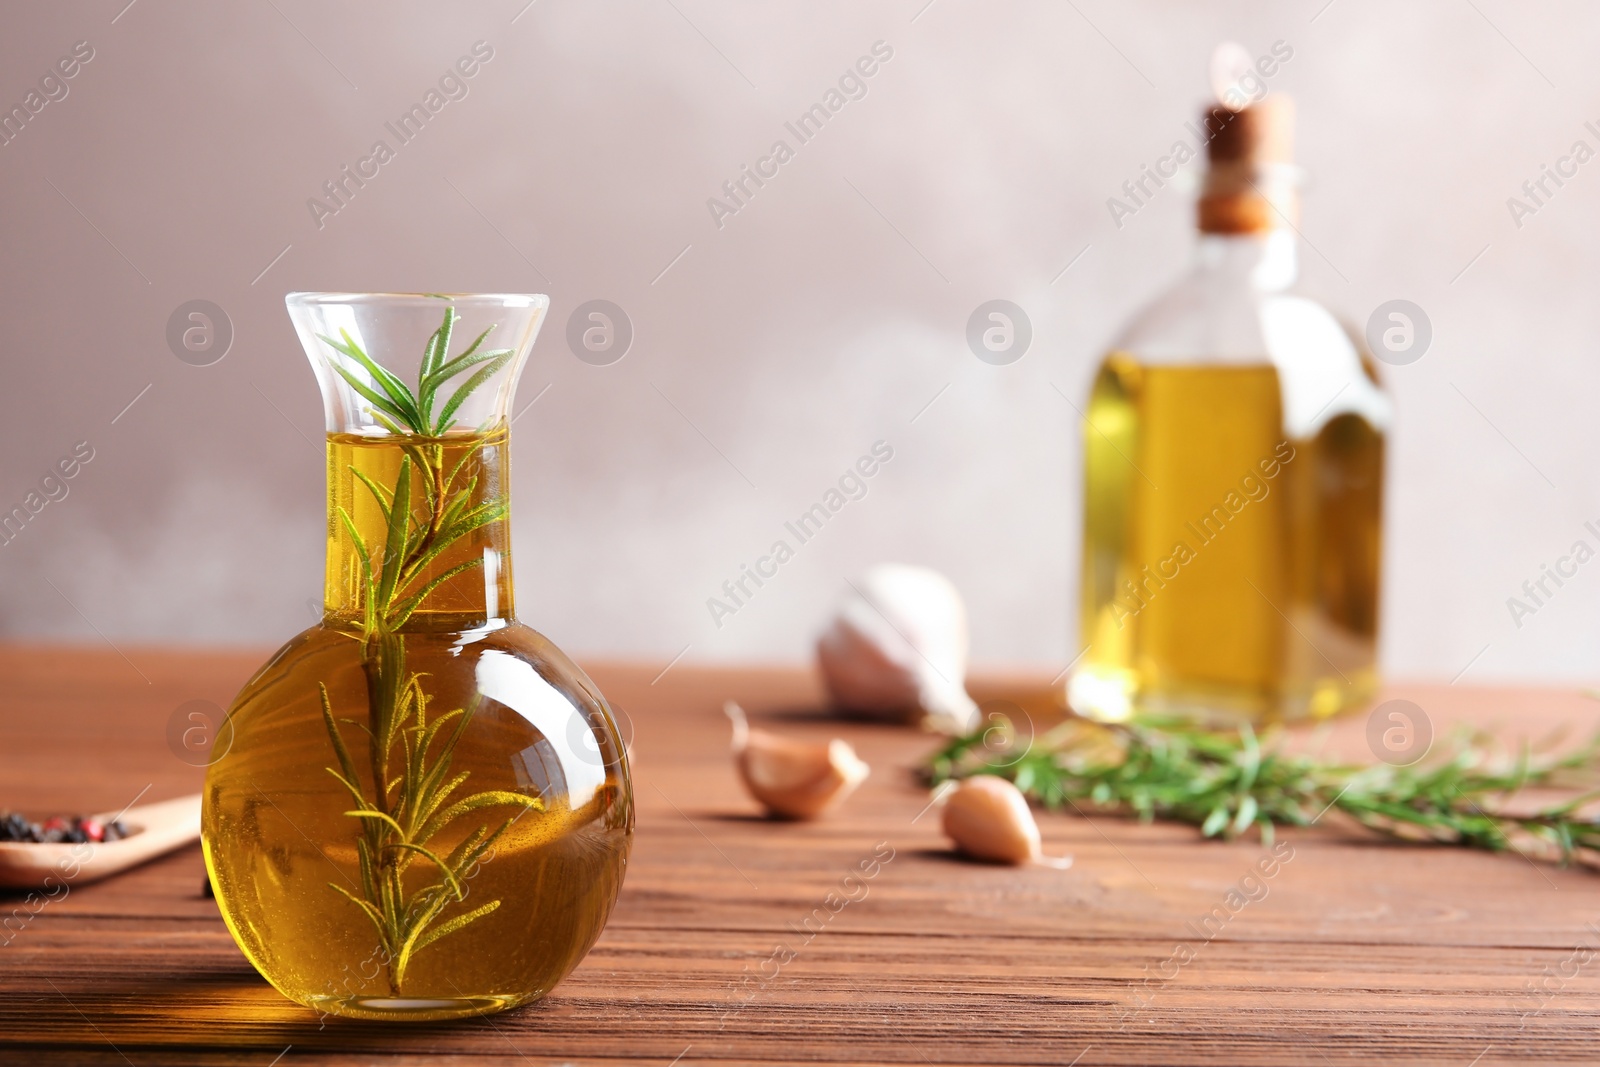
(1356, 950)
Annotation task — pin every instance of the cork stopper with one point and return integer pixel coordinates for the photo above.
(1249, 187)
(1261, 133)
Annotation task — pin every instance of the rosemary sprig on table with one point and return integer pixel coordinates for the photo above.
(399, 817)
(1228, 782)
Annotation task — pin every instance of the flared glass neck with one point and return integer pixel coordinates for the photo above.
(1267, 260)
(416, 363)
(416, 390)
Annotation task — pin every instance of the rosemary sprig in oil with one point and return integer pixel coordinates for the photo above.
(400, 816)
(1228, 783)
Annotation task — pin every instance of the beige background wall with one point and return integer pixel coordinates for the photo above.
(823, 316)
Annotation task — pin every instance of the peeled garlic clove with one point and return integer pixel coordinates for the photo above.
(798, 779)
(897, 648)
(989, 819)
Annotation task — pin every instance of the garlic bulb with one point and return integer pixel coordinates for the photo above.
(897, 648)
(988, 818)
(798, 779)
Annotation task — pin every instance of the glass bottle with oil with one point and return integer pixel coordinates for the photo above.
(419, 808)
(1233, 474)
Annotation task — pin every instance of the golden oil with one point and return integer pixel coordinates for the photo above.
(281, 845)
(1230, 569)
(479, 460)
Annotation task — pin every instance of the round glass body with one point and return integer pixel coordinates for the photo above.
(283, 853)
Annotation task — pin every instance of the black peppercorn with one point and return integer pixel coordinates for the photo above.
(58, 829)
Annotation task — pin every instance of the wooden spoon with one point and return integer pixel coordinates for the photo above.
(153, 830)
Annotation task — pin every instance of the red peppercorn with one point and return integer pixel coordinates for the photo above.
(93, 829)
(56, 822)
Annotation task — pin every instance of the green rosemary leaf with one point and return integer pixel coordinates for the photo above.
(409, 846)
(346, 764)
(412, 793)
(387, 653)
(429, 467)
(389, 424)
(458, 506)
(396, 891)
(1246, 816)
(479, 376)
(379, 494)
(372, 913)
(430, 900)
(364, 859)
(436, 725)
(408, 944)
(420, 699)
(395, 543)
(496, 358)
(424, 907)
(476, 341)
(489, 511)
(487, 799)
(448, 535)
(356, 540)
(381, 405)
(421, 901)
(434, 775)
(466, 454)
(467, 844)
(403, 611)
(358, 725)
(467, 359)
(1250, 759)
(384, 402)
(349, 784)
(399, 395)
(473, 347)
(434, 374)
(369, 604)
(346, 346)
(463, 859)
(441, 795)
(453, 925)
(1574, 804)
(433, 353)
(412, 755)
(382, 816)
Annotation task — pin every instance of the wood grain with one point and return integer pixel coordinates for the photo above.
(1355, 950)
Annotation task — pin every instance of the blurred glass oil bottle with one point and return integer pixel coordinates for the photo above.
(1233, 476)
